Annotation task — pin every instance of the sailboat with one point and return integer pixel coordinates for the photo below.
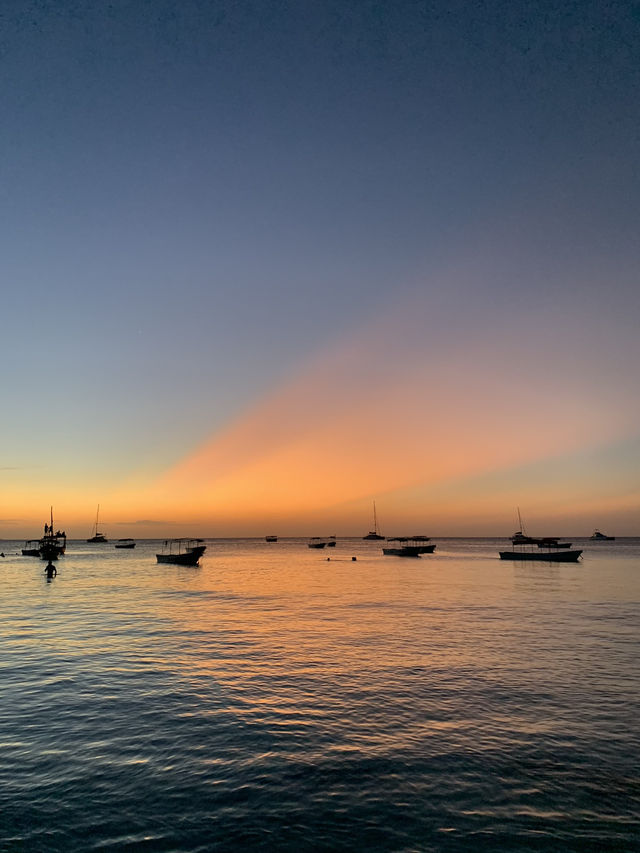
(97, 536)
(520, 537)
(375, 533)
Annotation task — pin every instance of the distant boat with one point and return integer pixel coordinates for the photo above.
(550, 542)
(596, 536)
(408, 546)
(271, 538)
(97, 536)
(184, 552)
(316, 542)
(520, 537)
(375, 533)
(331, 542)
(125, 543)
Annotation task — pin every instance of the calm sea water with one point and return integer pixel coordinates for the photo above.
(274, 700)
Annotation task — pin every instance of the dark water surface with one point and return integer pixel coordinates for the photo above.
(274, 700)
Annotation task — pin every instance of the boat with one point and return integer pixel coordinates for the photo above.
(551, 542)
(556, 551)
(316, 542)
(53, 544)
(31, 548)
(184, 552)
(97, 536)
(331, 542)
(596, 536)
(271, 538)
(125, 543)
(408, 546)
(548, 556)
(375, 533)
(421, 544)
(522, 538)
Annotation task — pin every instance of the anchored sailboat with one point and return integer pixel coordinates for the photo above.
(375, 533)
(97, 536)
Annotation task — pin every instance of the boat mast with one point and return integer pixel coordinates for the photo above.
(521, 527)
(375, 519)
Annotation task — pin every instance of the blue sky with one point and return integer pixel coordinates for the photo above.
(199, 198)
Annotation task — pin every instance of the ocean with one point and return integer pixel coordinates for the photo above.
(274, 699)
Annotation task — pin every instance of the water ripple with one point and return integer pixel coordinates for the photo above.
(273, 701)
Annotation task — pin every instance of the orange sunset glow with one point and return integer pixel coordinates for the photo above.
(415, 409)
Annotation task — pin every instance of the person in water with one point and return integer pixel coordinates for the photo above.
(50, 570)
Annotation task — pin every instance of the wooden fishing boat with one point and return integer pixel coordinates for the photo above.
(183, 552)
(53, 544)
(551, 555)
(31, 548)
(407, 546)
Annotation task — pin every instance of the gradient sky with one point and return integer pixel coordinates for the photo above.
(264, 262)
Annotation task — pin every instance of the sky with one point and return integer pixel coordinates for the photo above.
(264, 263)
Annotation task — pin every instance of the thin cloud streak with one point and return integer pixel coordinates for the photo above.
(418, 398)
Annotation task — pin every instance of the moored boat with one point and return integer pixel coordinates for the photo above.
(596, 536)
(422, 546)
(552, 556)
(551, 542)
(271, 538)
(407, 546)
(316, 542)
(125, 543)
(184, 552)
(97, 536)
(520, 537)
(31, 548)
(53, 544)
(375, 533)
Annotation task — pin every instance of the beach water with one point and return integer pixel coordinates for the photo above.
(272, 699)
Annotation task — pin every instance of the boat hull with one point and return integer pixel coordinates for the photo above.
(183, 558)
(51, 552)
(406, 551)
(317, 545)
(550, 556)
(188, 559)
(131, 545)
